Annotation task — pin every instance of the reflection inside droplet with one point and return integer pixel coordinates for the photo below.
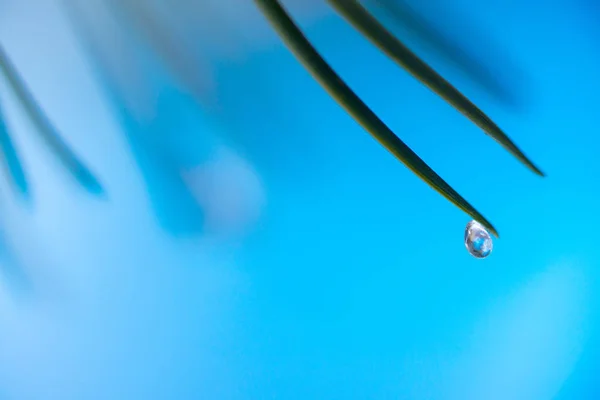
(477, 240)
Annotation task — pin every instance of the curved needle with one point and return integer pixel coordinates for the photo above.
(368, 25)
(45, 127)
(338, 89)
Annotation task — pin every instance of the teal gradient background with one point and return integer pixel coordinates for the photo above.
(347, 277)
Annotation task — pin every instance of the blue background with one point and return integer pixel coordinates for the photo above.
(353, 283)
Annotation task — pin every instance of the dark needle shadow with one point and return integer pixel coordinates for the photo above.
(502, 85)
(11, 161)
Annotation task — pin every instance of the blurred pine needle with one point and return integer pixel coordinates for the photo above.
(147, 22)
(400, 13)
(44, 127)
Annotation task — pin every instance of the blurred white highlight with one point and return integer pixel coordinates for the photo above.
(228, 190)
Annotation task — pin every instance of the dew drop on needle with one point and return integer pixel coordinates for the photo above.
(477, 240)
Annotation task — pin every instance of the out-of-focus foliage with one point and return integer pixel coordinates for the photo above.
(44, 128)
(131, 43)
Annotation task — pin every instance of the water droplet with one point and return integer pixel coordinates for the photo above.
(477, 240)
